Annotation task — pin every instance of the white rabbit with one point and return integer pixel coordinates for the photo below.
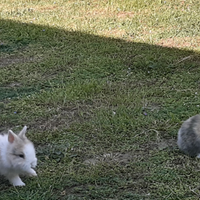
(17, 156)
(189, 136)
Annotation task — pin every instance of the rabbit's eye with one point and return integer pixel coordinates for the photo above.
(21, 155)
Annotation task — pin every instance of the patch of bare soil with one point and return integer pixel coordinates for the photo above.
(113, 32)
(125, 158)
(64, 117)
(125, 14)
(15, 60)
(181, 42)
(110, 158)
(45, 8)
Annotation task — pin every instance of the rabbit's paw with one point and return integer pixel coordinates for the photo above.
(32, 173)
(16, 181)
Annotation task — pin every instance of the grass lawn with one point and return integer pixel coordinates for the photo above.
(103, 87)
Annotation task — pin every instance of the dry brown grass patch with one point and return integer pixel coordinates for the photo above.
(46, 8)
(116, 33)
(125, 15)
(180, 42)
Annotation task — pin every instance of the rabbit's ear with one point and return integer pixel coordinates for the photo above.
(11, 136)
(23, 132)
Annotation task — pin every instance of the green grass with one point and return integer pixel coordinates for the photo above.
(103, 87)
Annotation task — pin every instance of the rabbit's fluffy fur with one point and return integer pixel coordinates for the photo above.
(189, 136)
(17, 156)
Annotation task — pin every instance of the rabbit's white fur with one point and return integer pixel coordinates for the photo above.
(17, 156)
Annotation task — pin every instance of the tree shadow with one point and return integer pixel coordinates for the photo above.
(85, 55)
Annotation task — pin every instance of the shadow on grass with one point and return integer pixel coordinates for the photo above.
(39, 54)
